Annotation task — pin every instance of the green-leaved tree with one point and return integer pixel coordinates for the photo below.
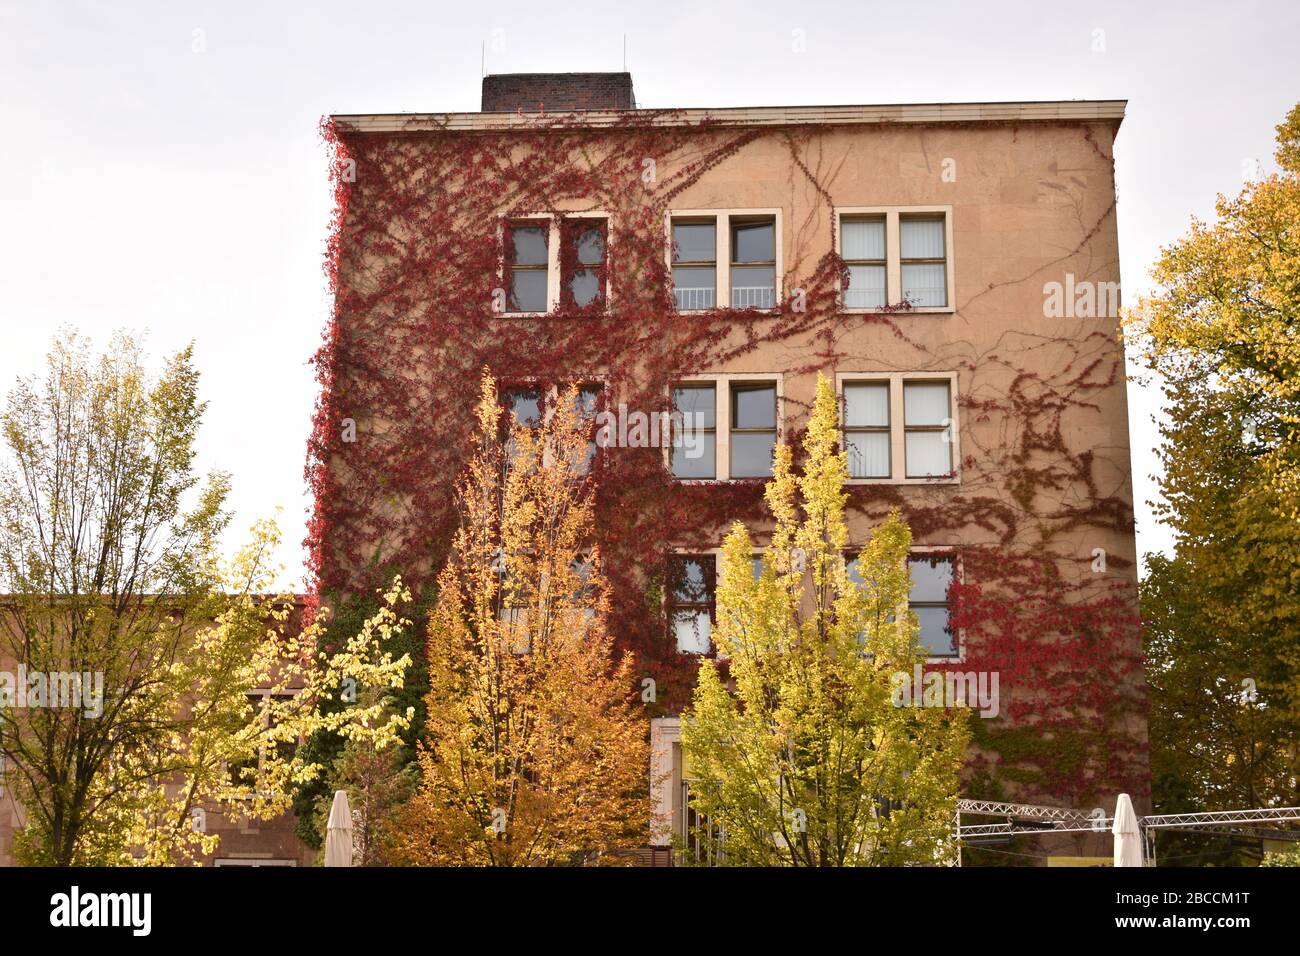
(797, 753)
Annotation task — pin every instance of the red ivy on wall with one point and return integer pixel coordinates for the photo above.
(415, 260)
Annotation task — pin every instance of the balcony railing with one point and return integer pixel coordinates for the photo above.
(694, 299)
(753, 297)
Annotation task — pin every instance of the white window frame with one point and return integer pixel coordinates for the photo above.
(553, 287)
(893, 252)
(897, 432)
(722, 383)
(723, 219)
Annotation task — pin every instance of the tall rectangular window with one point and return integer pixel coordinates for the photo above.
(590, 401)
(866, 429)
(691, 589)
(932, 577)
(863, 245)
(522, 406)
(927, 429)
(695, 431)
(753, 430)
(585, 246)
(923, 260)
(695, 264)
(753, 264)
(529, 265)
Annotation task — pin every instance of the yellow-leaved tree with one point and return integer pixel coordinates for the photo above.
(798, 755)
(144, 682)
(536, 753)
(1221, 614)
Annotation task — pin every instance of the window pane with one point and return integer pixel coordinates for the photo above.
(928, 455)
(526, 407)
(920, 238)
(753, 407)
(851, 566)
(692, 630)
(695, 242)
(751, 454)
(935, 637)
(931, 578)
(528, 290)
(530, 245)
(584, 287)
(695, 287)
(587, 402)
(694, 454)
(924, 286)
(694, 584)
(868, 454)
(753, 242)
(925, 403)
(866, 288)
(753, 287)
(867, 404)
(756, 566)
(698, 402)
(591, 247)
(863, 239)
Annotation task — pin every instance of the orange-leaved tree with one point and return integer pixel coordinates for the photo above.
(536, 751)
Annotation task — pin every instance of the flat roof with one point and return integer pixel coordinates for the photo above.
(1020, 112)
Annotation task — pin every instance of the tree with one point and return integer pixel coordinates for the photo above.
(536, 753)
(117, 596)
(798, 754)
(1222, 615)
(379, 782)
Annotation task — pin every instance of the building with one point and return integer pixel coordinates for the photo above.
(954, 269)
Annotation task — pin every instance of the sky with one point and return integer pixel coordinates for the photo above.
(162, 169)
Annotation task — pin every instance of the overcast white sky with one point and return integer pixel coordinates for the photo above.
(164, 180)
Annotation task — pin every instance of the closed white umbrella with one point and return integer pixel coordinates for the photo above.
(338, 833)
(1128, 841)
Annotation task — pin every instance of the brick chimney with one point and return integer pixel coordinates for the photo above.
(557, 92)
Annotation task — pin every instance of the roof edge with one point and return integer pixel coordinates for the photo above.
(1028, 111)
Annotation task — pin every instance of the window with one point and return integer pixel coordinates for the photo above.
(524, 406)
(753, 264)
(864, 255)
(695, 438)
(923, 260)
(899, 427)
(743, 410)
(753, 429)
(724, 258)
(854, 570)
(866, 429)
(590, 402)
(896, 256)
(932, 577)
(927, 426)
(695, 263)
(584, 241)
(512, 607)
(691, 586)
(529, 266)
(586, 592)
(245, 771)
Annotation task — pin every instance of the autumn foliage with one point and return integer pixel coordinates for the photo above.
(536, 751)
